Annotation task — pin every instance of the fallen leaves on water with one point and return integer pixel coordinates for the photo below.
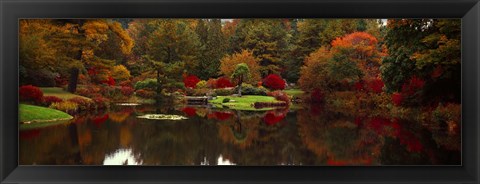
(163, 117)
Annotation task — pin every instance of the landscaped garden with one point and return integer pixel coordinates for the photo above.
(281, 91)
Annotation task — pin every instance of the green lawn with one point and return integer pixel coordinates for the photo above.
(60, 93)
(32, 113)
(243, 103)
(294, 92)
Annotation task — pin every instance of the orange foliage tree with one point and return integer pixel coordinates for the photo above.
(229, 62)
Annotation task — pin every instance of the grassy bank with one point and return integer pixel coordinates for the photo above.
(35, 114)
(243, 103)
(60, 93)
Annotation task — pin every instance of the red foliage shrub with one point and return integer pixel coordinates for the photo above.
(83, 104)
(259, 83)
(30, 93)
(189, 111)
(376, 85)
(191, 81)
(279, 95)
(397, 99)
(101, 102)
(48, 100)
(60, 81)
(110, 81)
(125, 83)
(224, 83)
(271, 118)
(222, 116)
(127, 90)
(274, 82)
(317, 96)
(360, 85)
(145, 93)
(212, 83)
(413, 85)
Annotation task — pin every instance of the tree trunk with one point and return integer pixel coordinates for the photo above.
(240, 88)
(72, 83)
(159, 88)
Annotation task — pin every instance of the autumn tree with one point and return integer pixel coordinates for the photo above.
(266, 38)
(229, 63)
(240, 74)
(171, 50)
(428, 49)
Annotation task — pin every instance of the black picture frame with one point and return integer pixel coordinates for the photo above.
(12, 10)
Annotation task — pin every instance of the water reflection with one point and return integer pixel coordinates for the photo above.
(311, 135)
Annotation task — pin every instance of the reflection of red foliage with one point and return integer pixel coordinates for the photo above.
(100, 119)
(332, 162)
(315, 109)
(274, 82)
(413, 144)
(271, 119)
(223, 83)
(376, 85)
(397, 99)
(358, 120)
(29, 134)
(361, 161)
(191, 81)
(378, 125)
(317, 96)
(222, 115)
(189, 111)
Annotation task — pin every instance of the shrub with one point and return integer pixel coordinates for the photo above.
(191, 81)
(202, 84)
(274, 82)
(223, 92)
(212, 83)
(48, 100)
(83, 104)
(145, 93)
(376, 85)
(448, 112)
(30, 93)
(110, 81)
(248, 89)
(397, 99)
(127, 90)
(225, 100)
(101, 102)
(279, 95)
(146, 84)
(413, 85)
(197, 92)
(65, 106)
(223, 83)
(120, 73)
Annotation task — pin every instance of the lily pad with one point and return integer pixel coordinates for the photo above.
(162, 117)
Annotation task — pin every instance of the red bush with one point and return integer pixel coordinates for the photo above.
(30, 93)
(376, 85)
(83, 104)
(191, 81)
(100, 102)
(270, 118)
(48, 100)
(127, 90)
(110, 81)
(317, 96)
(397, 99)
(189, 111)
(224, 83)
(274, 82)
(413, 85)
(360, 85)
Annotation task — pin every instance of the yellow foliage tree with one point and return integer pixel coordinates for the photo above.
(120, 73)
(229, 62)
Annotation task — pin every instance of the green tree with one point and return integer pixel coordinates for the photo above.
(172, 49)
(241, 73)
(212, 47)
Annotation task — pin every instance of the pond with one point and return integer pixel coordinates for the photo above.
(299, 135)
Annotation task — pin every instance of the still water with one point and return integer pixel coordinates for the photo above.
(300, 135)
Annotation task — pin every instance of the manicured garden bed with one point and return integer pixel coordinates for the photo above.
(245, 102)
